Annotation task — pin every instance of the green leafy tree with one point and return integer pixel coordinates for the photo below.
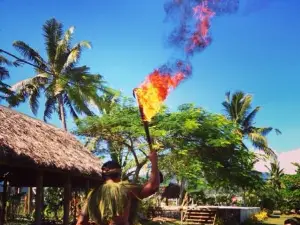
(270, 199)
(291, 191)
(119, 134)
(192, 127)
(207, 152)
(275, 175)
(271, 193)
(238, 109)
(196, 146)
(53, 201)
(204, 149)
(64, 84)
(185, 169)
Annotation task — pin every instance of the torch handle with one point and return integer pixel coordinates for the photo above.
(146, 127)
(145, 122)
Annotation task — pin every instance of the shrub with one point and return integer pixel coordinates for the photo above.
(146, 206)
(257, 218)
(219, 221)
(261, 216)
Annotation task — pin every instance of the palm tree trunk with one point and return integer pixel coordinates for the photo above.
(244, 197)
(182, 189)
(62, 112)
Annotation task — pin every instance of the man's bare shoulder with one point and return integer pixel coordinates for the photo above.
(140, 191)
(134, 190)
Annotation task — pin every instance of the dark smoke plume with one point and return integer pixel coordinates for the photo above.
(192, 20)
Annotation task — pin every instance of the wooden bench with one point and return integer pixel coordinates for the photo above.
(203, 216)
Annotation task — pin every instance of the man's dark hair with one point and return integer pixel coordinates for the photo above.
(111, 170)
(292, 221)
(111, 165)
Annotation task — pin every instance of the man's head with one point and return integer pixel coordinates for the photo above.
(292, 221)
(111, 170)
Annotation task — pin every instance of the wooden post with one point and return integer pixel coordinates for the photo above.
(75, 206)
(8, 212)
(67, 195)
(39, 198)
(2, 219)
(87, 187)
(29, 200)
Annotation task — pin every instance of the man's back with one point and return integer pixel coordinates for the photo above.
(113, 203)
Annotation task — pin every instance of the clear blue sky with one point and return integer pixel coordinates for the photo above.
(256, 50)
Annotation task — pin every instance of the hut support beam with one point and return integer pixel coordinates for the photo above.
(75, 207)
(4, 193)
(39, 199)
(87, 187)
(29, 200)
(67, 195)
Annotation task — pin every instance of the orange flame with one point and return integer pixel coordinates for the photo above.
(154, 90)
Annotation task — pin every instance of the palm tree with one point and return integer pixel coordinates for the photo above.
(64, 84)
(297, 165)
(275, 174)
(238, 109)
(5, 90)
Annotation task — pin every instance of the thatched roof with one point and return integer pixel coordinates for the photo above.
(28, 142)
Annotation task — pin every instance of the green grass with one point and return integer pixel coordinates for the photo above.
(279, 221)
(159, 223)
(269, 221)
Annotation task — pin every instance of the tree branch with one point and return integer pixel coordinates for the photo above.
(144, 153)
(130, 148)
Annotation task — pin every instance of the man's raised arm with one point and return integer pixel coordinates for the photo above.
(84, 217)
(153, 183)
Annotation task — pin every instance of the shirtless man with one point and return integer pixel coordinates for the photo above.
(112, 173)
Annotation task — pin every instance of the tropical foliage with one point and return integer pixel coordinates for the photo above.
(238, 109)
(64, 83)
(260, 216)
(205, 153)
(290, 192)
(275, 175)
(193, 144)
(118, 134)
(5, 90)
(53, 201)
(297, 165)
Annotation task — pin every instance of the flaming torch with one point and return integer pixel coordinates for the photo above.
(154, 90)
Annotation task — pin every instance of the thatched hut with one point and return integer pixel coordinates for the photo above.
(36, 154)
